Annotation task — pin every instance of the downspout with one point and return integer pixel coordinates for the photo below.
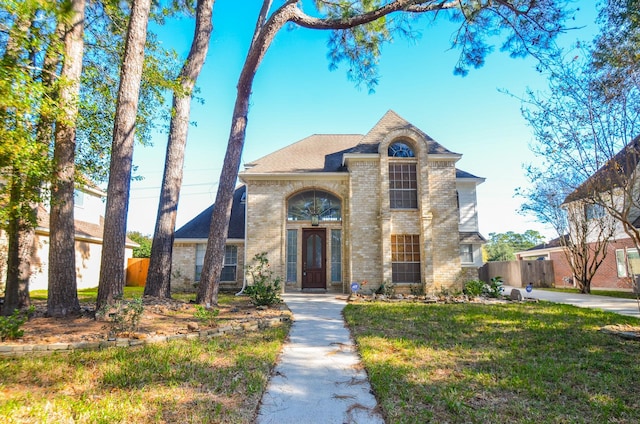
(244, 275)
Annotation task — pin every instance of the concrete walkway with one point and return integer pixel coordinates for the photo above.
(318, 378)
(612, 304)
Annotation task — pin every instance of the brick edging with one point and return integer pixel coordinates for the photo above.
(7, 350)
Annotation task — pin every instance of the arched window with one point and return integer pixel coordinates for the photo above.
(399, 149)
(314, 206)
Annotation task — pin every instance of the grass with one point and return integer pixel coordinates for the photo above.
(501, 363)
(184, 381)
(91, 294)
(198, 381)
(609, 293)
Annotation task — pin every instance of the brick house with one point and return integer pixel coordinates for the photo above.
(329, 210)
(614, 273)
(622, 261)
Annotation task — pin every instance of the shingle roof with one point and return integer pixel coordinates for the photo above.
(471, 237)
(391, 121)
(198, 227)
(316, 153)
(612, 174)
(324, 152)
(82, 228)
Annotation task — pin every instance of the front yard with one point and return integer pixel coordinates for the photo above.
(219, 379)
(500, 363)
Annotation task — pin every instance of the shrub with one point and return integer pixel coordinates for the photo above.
(265, 290)
(10, 325)
(386, 288)
(124, 314)
(206, 316)
(495, 287)
(474, 288)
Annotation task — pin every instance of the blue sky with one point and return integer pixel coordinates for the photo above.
(296, 95)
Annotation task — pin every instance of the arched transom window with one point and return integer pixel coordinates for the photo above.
(314, 206)
(399, 149)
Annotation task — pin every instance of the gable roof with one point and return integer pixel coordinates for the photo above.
(316, 153)
(198, 227)
(391, 121)
(83, 229)
(612, 174)
(324, 152)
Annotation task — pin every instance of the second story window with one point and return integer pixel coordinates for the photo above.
(403, 186)
(593, 211)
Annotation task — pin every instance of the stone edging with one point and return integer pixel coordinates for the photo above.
(7, 350)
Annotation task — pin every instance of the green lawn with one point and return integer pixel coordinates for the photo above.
(184, 381)
(503, 363)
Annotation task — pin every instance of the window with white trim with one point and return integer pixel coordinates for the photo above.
(466, 253)
(229, 266)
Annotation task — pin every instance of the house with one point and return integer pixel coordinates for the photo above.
(614, 273)
(332, 209)
(89, 224)
(608, 185)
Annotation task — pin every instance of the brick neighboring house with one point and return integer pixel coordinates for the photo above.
(622, 261)
(329, 210)
(89, 225)
(613, 273)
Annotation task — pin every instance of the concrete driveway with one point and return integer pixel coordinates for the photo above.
(318, 378)
(612, 304)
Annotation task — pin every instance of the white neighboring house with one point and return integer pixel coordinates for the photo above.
(89, 226)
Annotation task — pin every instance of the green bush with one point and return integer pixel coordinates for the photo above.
(474, 288)
(10, 325)
(206, 316)
(386, 288)
(495, 287)
(265, 290)
(125, 315)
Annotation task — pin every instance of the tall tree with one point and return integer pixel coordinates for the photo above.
(502, 246)
(585, 127)
(159, 276)
(358, 30)
(111, 282)
(63, 296)
(25, 88)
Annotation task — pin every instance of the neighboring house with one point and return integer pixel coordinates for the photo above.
(622, 261)
(330, 210)
(614, 273)
(89, 225)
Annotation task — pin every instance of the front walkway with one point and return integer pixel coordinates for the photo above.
(612, 304)
(318, 378)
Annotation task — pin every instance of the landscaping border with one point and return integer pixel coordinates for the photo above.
(9, 350)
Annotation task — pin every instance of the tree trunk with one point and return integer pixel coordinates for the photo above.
(16, 287)
(111, 283)
(159, 276)
(62, 299)
(16, 295)
(214, 254)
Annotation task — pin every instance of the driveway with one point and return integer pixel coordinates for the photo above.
(606, 303)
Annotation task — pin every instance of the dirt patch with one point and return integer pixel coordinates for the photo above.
(160, 317)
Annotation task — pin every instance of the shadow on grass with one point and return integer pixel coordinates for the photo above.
(503, 363)
(220, 380)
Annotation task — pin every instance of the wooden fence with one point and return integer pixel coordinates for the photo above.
(137, 269)
(520, 273)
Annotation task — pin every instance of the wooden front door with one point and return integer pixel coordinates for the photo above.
(314, 268)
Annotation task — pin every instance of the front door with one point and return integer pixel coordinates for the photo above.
(314, 268)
